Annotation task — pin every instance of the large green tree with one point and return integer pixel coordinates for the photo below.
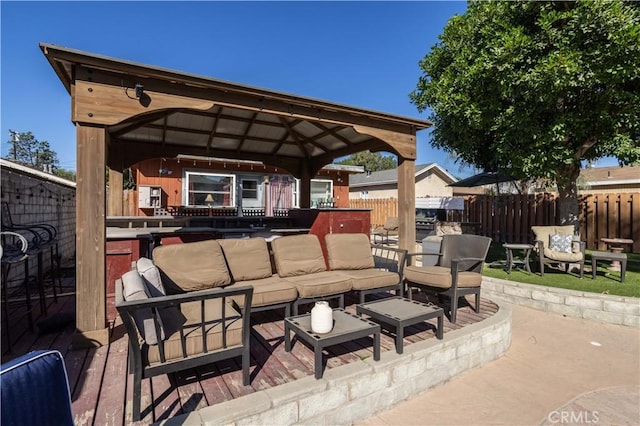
(371, 161)
(536, 88)
(25, 149)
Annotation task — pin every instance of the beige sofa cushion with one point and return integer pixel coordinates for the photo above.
(366, 279)
(298, 255)
(193, 331)
(349, 251)
(192, 266)
(320, 284)
(248, 258)
(268, 291)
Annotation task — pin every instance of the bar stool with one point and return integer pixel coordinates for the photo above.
(13, 251)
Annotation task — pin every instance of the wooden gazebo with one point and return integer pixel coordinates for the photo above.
(126, 112)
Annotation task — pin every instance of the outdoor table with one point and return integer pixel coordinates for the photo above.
(346, 327)
(511, 262)
(399, 313)
(616, 245)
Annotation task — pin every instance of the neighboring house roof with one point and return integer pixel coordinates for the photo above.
(615, 175)
(390, 176)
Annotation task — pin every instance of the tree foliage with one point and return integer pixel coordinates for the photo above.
(28, 151)
(535, 88)
(371, 161)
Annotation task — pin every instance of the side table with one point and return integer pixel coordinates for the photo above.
(399, 313)
(346, 327)
(511, 262)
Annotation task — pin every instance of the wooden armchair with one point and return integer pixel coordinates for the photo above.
(457, 273)
(558, 245)
(172, 333)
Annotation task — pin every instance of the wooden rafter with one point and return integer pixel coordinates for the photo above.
(295, 136)
(243, 138)
(214, 128)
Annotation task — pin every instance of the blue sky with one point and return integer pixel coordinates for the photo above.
(363, 54)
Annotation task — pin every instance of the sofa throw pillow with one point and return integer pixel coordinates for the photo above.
(134, 288)
(151, 276)
(561, 243)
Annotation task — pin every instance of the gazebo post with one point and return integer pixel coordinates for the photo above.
(90, 237)
(407, 203)
(305, 189)
(116, 185)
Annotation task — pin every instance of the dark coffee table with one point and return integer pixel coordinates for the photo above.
(346, 327)
(399, 313)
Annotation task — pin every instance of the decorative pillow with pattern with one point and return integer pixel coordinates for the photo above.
(561, 243)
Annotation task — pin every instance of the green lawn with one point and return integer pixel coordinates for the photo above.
(606, 281)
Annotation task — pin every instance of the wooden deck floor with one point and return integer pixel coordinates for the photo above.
(101, 386)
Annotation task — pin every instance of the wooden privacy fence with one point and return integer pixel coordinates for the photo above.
(509, 218)
(381, 209)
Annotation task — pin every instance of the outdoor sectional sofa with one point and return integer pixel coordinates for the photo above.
(191, 305)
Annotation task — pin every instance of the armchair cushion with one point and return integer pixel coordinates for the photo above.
(298, 255)
(349, 251)
(560, 243)
(440, 276)
(248, 259)
(192, 266)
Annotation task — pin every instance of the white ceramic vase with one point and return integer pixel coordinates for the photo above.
(321, 318)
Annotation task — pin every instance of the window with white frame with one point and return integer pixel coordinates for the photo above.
(321, 192)
(209, 189)
(249, 189)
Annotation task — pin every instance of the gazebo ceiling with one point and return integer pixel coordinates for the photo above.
(179, 113)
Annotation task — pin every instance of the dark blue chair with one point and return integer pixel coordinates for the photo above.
(34, 390)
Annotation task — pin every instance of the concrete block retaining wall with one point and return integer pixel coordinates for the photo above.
(360, 389)
(593, 306)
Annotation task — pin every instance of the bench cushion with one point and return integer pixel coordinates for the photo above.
(192, 266)
(320, 284)
(191, 317)
(349, 251)
(248, 258)
(298, 255)
(268, 291)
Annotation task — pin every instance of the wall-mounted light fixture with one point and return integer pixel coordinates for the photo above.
(139, 90)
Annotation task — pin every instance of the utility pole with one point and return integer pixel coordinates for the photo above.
(15, 144)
